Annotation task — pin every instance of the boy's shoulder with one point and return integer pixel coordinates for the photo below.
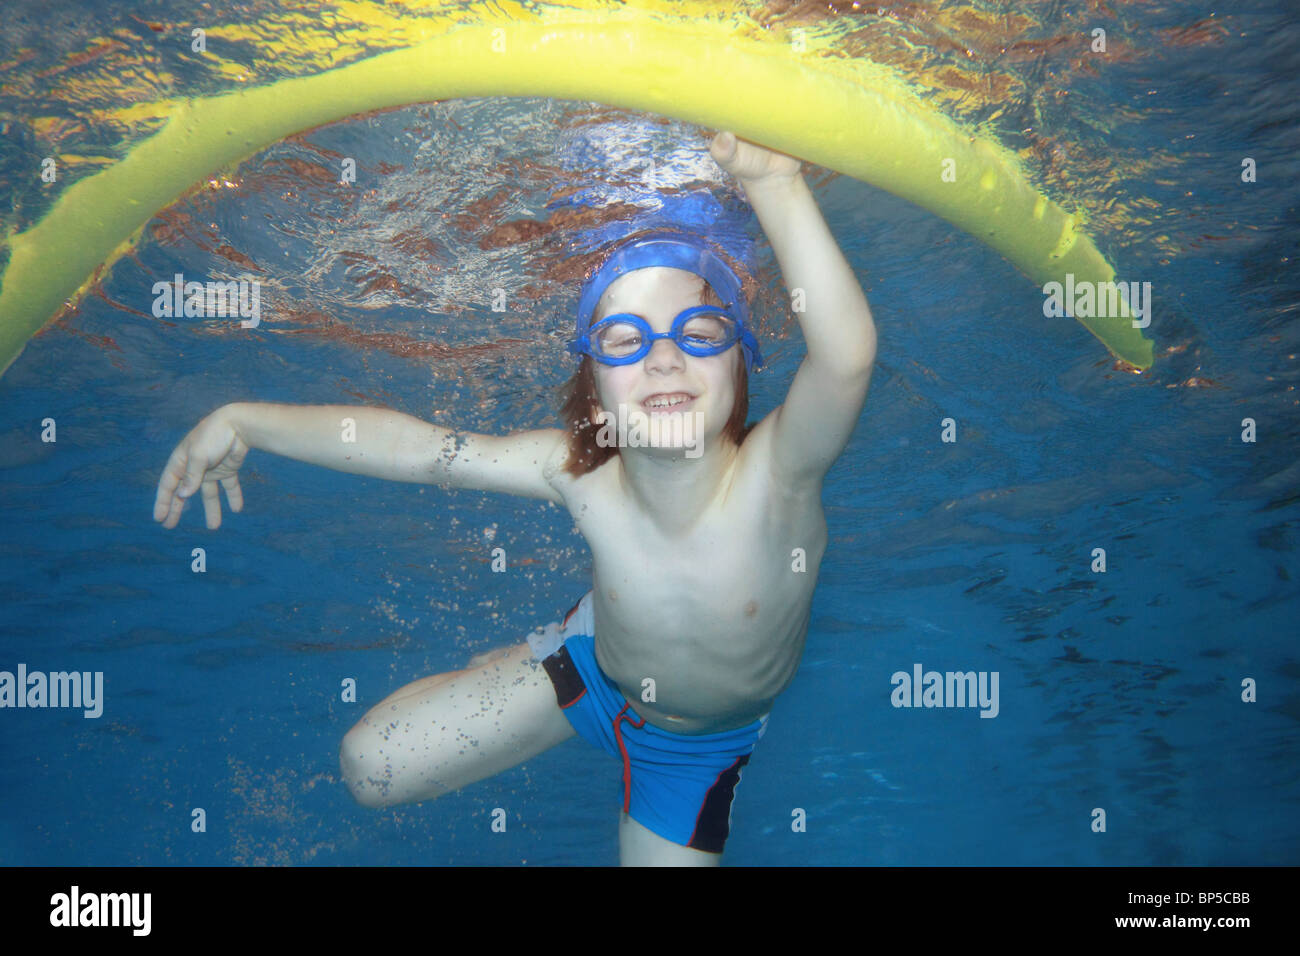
(757, 441)
(554, 444)
(758, 451)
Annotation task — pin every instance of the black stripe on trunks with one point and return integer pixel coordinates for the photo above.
(565, 622)
(713, 823)
(564, 675)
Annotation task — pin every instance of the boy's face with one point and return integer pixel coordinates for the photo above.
(658, 294)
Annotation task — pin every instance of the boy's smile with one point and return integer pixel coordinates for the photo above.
(665, 401)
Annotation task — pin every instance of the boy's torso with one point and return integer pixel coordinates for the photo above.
(716, 617)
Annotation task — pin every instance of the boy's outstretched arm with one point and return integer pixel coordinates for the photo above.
(383, 443)
(377, 442)
(828, 391)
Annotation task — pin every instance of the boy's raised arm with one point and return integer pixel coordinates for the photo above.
(828, 391)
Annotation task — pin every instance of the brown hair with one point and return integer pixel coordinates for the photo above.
(581, 405)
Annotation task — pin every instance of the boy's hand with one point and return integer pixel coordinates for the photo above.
(211, 452)
(750, 163)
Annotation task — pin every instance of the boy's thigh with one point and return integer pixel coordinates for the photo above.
(444, 732)
(638, 846)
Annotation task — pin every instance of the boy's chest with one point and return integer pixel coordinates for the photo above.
(735, 566)
(677, 583)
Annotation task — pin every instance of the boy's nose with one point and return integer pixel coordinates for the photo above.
(664, 352)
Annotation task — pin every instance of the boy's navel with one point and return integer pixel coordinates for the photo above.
(751, 609)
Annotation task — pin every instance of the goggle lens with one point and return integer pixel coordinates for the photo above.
(617, 340)
(710, 330)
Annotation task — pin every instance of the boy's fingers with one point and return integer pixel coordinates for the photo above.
(172, 474)
(212, 505)
(233, 493)
(724, 145)
(174, 512)
(161, 501)
(194, 471)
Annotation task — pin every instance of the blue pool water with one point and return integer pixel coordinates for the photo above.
(1120, 690)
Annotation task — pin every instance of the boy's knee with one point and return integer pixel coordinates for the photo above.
(366, 774)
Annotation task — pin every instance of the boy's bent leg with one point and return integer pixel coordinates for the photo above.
(444, 732)
(638, 846)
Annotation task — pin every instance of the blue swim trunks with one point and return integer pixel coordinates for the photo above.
(679, 786)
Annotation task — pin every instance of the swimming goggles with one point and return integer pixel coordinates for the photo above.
(700, 330)
(624, 338)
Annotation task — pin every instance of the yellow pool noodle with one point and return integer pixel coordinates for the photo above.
(863, 122)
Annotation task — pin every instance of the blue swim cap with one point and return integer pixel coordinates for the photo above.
(675, 250)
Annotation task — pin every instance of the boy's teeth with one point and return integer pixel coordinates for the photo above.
(663, 401)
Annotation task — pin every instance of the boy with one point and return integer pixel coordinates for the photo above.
(699, 607)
